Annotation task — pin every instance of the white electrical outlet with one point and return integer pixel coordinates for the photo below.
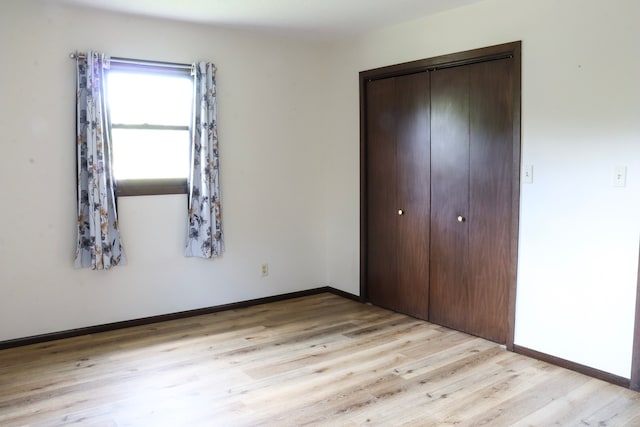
(264, 269)
(620, 176)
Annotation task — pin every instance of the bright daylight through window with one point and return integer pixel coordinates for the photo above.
(150, 120)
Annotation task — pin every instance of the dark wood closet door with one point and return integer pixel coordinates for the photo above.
(440, 142)
(472, 130)
(490, 192)
(398, 193)
(381, 192)
(449, 197)
(413, 181)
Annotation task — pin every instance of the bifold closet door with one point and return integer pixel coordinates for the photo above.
(471, 197)
(449, 278)
(397, 167)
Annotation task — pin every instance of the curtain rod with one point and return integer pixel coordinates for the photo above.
(76, 55)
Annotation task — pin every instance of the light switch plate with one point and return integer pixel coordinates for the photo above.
(620, 176)
(527, 174)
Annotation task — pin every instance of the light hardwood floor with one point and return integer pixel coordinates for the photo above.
(317, 360)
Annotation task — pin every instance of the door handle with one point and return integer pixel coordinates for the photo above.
(461, 218)
(400, 212)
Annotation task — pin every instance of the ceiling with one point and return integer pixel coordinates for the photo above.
(320, 19)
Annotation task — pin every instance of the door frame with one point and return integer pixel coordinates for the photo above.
(507, 50)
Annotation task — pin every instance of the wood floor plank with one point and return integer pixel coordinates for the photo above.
(316, 360)
(433, 394)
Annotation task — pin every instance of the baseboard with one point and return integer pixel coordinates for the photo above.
(344, 294)
(577, 367)
(38, 339)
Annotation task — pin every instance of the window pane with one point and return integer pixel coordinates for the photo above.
(148, 154)
(136, 98)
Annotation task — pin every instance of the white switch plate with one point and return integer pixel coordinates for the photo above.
(620, 176)
(527, 174)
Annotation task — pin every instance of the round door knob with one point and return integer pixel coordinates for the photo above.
(400, 212)
(461, 218)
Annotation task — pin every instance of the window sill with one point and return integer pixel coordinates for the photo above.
(151, 187)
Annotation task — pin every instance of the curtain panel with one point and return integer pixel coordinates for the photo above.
(204, 234)
(98, 246)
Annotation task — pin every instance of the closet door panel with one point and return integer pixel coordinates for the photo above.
(449, 251)
(491, 130)
(381, 193)
(413, 152)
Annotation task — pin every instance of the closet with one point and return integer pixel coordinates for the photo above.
(440, 151)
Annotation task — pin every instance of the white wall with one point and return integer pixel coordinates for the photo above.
(578, 254)
(270, 175)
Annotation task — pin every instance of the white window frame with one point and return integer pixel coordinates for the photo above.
(151, 186)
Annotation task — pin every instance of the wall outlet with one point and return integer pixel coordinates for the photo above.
(264, 269)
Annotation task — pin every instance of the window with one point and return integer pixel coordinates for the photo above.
(150, 108)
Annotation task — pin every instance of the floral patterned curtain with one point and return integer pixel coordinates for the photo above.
(204, 234)
(99, 245)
